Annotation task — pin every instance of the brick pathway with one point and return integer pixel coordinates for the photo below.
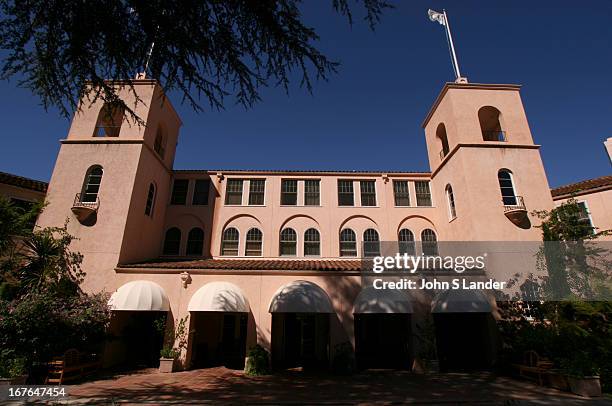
(221, 385)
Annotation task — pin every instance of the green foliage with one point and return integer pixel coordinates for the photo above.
(209, 49)
(176, 337)
(258, 361)
(426, 336)
(11, 366)
(343, 362)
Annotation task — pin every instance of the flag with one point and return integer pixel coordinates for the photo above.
(435, 16)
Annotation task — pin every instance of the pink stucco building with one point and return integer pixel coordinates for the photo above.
(274, 257)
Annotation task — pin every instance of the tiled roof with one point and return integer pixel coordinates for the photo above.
(296, 171)
(253, 264)
(22, 182)
(582, 187)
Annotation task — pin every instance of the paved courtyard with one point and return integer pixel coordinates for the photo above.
(221, 385)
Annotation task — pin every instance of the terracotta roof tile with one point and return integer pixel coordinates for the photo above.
(253, 264)
(581, 187)
(26, 183)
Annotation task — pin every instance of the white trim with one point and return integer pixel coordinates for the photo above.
(246, 240)
(588, 210)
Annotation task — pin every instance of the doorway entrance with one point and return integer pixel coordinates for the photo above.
(382, 341)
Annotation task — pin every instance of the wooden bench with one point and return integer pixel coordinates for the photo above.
(534, 367)
(71, 366)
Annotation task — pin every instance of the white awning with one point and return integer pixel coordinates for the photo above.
(301, 297)
(140, 296)
(461, 301)
(219, 297)
(371, 300)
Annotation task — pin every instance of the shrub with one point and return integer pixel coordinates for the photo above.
(11, 366)
(169, 352)
(258, 361)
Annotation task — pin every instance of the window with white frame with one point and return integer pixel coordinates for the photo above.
(254, 242)
(345, 193)
(312, 192)
(506, 186)
(423, 193)
(371, 243)
(401, 193)
(233, 192)
(348, 243)
(289, 192)
(367, 189)
(450, 199)
(406, 242)
(288, 243)
(230, 242)
(257, 191)
(312, 242)
(429, 242)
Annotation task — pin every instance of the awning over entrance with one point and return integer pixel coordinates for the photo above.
(372, 300)
(301, 297)
(219, 297)
(461, 301)
(140, 296)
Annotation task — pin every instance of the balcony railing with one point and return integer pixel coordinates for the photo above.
(499, 136)
(80, 204)
(516, 204)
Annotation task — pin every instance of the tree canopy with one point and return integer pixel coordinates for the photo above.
(207, 50)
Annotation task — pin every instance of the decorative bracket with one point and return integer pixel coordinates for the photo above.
(185, 278)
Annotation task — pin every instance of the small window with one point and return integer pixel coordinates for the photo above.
(195, 241)
(109, 120)
(200, 192)
(254, 242)
(368, 192)
(430, 242)
(452, 211)
(159, 146)
(423, 194)
(179, 191)
(229, 245)
(172, 242)
(257, 191)
(401, 193)
(348, 243)
(406, 242)
(312, 191)
(288, 243)
(506, 186)
(371, 243)
(91, 185)
(584, 216)
(150, 200)
(312, 243)
(490, 125)
(443, 139)
(289, 192)
(345, 193)
(233, 192)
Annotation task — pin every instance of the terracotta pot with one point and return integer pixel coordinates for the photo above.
(166, 365)
(588, 386)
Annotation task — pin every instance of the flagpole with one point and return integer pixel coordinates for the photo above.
(450, 40)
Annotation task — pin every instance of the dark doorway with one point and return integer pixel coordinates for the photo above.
(463, 341)
(382, 341)
(300, 340)
(137, 338)
(219, 338)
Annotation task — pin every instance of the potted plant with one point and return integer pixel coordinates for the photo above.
(257, 361)
(582, 375)
(166, 360)
(13, 371)
(175, 342)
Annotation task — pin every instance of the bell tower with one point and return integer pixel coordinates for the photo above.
(112, 179)
(487, 172)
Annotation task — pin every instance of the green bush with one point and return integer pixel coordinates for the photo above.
(169, 352)
(11, 366)
(258, 361)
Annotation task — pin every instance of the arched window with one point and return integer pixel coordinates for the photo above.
(371, 243)
(430, 242)
(150, 200)
(254, 241)
(195, 241)
(109, 120)
(490, 125)
(172, 242)
(229, 245)
(441, 135)
(450, 199)
(288, 243)
(312, 242)
(160, 142)
(506, 186)
(91, 184)
(348, 243)
(406, 242)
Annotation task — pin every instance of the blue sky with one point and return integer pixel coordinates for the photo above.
(368, 116)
